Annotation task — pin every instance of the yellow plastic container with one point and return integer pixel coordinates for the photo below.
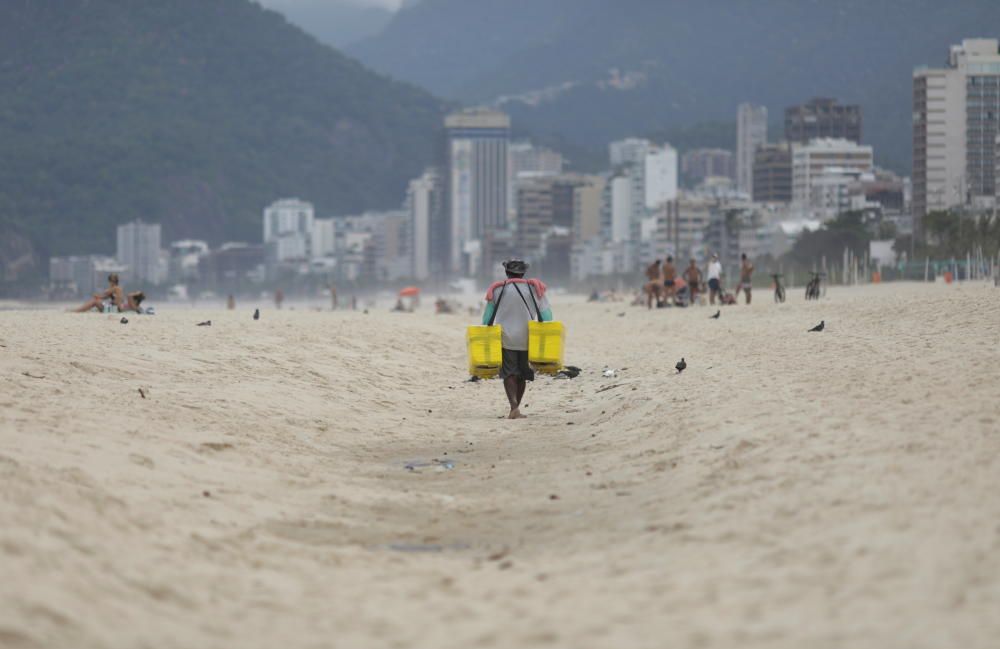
(485, 350)
(546, 344)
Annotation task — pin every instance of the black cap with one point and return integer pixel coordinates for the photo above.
(515, 266)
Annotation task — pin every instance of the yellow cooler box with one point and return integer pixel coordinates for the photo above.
(485, 351)
(545, 346)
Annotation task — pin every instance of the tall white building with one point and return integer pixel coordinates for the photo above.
(751, 132)
(660, 176)
(813, 161)
(323, 241)
(629, 151)
(139, 249)
(478, 182)
(420, 202)
(620, 216)
(528, 162)
(288, 229)
(651, 171)
(956, 110)
(526, 158)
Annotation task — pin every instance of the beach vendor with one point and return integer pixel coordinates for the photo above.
(512, 303)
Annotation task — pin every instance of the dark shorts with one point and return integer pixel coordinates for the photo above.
(713, 284)
(668, 282)
(515, 363)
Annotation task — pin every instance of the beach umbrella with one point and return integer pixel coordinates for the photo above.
(409, 291)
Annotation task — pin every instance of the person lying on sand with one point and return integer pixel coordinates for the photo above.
(133, 302)
(512, 303)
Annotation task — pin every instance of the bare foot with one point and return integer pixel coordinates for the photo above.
(515, 414)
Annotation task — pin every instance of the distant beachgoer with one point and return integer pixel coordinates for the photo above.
(512, 303)
(333, 295)
(400, 307)
(746, 277)
(113, 293)
(693, 278)
(133, 302)
(441, 306)
(714, 278)
(279, 297)
(230, 302)
(652, 288)
(669, 278)
(594, 296)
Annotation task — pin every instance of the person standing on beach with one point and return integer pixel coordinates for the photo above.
(669, 278)
(279, 297)
(746, 277)
(693, 278)
(333, 295)
(714, 278)
(653, 276)
(512, 303)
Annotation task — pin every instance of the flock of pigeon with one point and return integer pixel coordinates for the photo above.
(682, 365)
(570, 372)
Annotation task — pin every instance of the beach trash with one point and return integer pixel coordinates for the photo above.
(545, 346)
(485, 351)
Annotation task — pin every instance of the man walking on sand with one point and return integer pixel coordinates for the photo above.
(746, 277)
(513, 303)
(714, 279)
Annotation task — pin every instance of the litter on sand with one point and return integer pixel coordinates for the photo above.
(435, 464)
(568, 372)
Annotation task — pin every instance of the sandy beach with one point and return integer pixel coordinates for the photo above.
(790, 489)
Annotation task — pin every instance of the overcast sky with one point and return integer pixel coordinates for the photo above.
(284, 4)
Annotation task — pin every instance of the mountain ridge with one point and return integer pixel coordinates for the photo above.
(195, 115)
(700, 60)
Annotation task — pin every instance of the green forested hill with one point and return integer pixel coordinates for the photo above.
(192, 113)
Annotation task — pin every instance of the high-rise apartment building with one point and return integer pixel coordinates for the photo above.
(652, 171)
(617, 209)
(660, 176)
(956, 111)
(699, 164)
(428, 226)
(531, 160)
(545, 206)
(587, 208)
(996, 167)
(478, 180)
(822, 157)
(822, 118)
(527, 162)
(288, 229)
(629, 151)
(139, 249)
(772, 173)
(751, 132)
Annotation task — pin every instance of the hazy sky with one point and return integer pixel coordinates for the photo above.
(283, 4)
